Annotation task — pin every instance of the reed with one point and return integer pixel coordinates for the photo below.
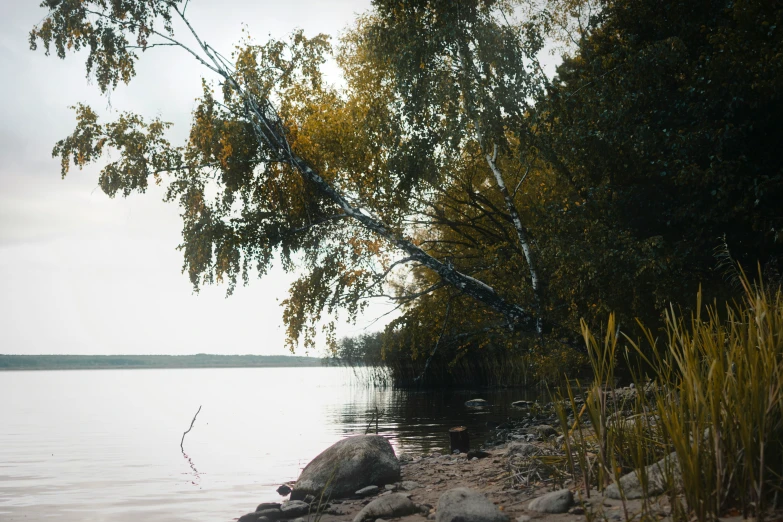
(708, 392)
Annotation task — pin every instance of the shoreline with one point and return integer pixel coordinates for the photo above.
(424, 478)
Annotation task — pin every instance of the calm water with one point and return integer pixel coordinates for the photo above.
(100, 445)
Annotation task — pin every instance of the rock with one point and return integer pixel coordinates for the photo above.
(272, 513)
(424, 508)
(523, 518)
(478, 454)
(523, 404)
(656, 479)
(366, 492)
(300, 519)
(409, 485)
(576, 510)
(523, 449)
(258, 516)
(466, 505)
(268, 505)
(390, 487)
(476, 403)
(348, 466)
(555, 502)
(309, 499)
(390, 506)
(545, 431)
(404, 458)
(283, 490)
(294, 509)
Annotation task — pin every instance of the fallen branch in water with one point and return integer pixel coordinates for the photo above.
(191, 427)
(181, 446)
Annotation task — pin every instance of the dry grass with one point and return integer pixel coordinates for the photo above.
(708, 390)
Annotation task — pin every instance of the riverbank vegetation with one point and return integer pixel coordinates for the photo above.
(704, 423)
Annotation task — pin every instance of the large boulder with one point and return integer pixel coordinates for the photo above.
(347, 466)
(466, 505)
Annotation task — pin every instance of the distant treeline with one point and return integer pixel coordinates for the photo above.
(201, 360)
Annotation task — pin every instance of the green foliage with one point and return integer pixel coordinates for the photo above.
(604, 189)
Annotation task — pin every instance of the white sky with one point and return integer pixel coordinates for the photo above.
(83, 274)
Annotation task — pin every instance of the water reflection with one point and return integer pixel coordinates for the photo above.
(418, 421)
(106, 444)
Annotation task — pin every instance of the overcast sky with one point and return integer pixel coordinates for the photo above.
(83, 274)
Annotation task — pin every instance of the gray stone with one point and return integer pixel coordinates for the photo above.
(294, 509)
(523, 518)
(300, 519)
(477, 454)
(409, 485)
(555, 502)
(309, 499)
(258, 516)
(523, 404)
(476, 403)
(272, 513)
(389, 506)
(390, 487)
(268, 505)
(545, 431)
(366, 492)
(522, 449)
(466, 505)
(404, 458)
(657, 479)
(348, 466)
(283, 490)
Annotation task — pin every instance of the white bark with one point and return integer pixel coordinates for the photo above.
(522, 235)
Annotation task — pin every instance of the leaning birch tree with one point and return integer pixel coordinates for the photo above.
(279, 166)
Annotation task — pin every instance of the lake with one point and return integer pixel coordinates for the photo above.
(97, 445)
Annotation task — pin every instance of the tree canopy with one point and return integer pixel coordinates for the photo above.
(497, 205)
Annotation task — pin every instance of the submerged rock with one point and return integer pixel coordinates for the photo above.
(555, 502)
(347, 466)
(466, 505)
(389, 506)
(476, 403)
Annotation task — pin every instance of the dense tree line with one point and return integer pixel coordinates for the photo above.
(498, 206)
(202, 360)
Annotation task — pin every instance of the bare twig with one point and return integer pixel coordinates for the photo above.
(191, 427)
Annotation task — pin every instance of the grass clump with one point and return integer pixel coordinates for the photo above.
(709, 392)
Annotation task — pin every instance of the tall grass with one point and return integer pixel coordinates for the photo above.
(708, 392)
